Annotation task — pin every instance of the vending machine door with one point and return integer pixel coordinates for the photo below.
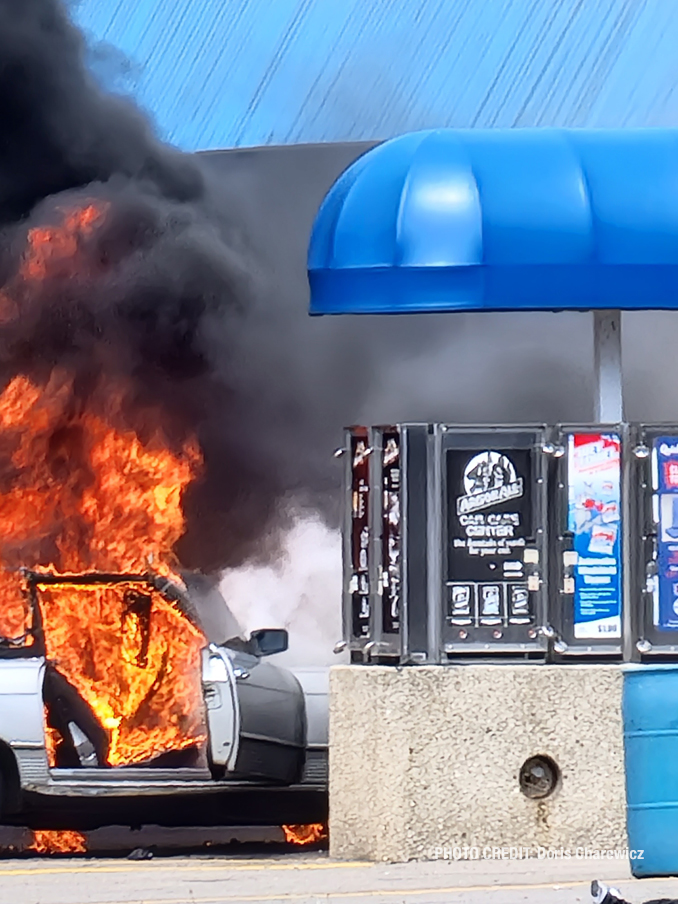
(494, 532)
(387, 520)
(588, 541)
(359, 554)
(655, 541)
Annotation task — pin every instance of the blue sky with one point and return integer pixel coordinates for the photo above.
(227, 73)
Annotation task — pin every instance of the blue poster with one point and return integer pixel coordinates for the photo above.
(665, 485)
(594, 518)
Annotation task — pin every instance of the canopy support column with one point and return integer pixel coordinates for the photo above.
(607, 367)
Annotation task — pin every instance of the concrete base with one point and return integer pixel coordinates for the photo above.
(427, 759)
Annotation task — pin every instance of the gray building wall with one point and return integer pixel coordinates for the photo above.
(465, 368)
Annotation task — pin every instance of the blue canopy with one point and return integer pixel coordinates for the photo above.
(519, 219)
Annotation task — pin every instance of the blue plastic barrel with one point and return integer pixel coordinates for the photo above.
(650, 713)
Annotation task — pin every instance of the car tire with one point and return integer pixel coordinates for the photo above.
(2, 797)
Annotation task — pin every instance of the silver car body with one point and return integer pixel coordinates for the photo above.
(238, 721)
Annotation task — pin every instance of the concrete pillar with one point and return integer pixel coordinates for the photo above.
(428, 757)
(608, 403)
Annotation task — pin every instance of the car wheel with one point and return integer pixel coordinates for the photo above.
(2, 796)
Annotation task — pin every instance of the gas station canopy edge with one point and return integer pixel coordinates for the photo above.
(518, 219)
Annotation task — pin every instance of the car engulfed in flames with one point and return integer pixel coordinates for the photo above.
(141, 703)
(109, 685)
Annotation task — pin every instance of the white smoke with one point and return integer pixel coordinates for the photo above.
(301, 591)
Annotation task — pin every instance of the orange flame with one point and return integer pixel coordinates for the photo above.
(57, 842)
(306, 834)
(52, 249)
(82, 491)
(51, 252)
(145, 691)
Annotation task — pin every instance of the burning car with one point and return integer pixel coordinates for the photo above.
(110, 686)
(142, 433)
(113, 691)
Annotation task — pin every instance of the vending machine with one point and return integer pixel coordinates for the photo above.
(540, 542)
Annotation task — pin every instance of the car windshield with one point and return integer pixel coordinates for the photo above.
(217, 620)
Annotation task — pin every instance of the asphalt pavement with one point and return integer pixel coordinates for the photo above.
(312, 877)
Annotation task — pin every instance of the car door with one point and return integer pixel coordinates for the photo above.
(222, 707)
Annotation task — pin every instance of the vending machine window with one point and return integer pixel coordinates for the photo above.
(494, 540)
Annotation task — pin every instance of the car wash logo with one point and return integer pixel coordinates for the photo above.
(489, 479)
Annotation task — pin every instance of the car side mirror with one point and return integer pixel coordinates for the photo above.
(268, 641)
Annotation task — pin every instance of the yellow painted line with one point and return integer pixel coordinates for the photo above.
(176, 867)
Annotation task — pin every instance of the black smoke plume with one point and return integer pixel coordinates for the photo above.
(161, 291)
